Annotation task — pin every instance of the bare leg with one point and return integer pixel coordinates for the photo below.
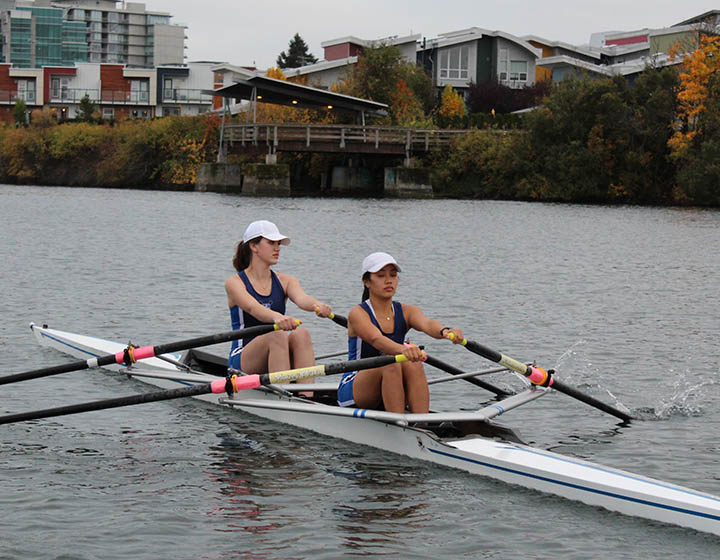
(416, 387)
(380, 385)
(302, 353)
(267, 352)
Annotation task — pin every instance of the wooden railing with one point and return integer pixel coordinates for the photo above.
(338, 137)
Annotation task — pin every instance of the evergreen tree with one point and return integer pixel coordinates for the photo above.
(86, 109)
(297, 54)
(20, 113)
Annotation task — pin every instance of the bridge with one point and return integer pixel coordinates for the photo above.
(271, 138)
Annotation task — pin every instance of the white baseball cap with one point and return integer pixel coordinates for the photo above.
(375, 261)
(268, 230)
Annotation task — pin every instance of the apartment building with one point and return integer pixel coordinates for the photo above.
(117, 90)
(40, 33)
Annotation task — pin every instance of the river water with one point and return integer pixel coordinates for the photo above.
(622, 301)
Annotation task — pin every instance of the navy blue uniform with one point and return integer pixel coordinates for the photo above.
(241, 319)
(358, 348)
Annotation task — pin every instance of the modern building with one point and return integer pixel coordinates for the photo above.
(117, 90)
(475, 55)
(39, 33)
(342, 53)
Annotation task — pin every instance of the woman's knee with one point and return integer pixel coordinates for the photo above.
(300, 336)
(277, 340)
(413, 371)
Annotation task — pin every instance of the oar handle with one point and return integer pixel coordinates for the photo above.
(339, 319)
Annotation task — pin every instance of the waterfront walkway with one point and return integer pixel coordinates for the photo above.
(352, 139)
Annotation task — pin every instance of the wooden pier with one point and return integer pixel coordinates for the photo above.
(351, 139)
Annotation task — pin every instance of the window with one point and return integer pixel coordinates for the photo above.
(503, 65)
(108, 113)
(139, 91)
(59, 88)
(454, 62)
(168, 92)
(518, 70)
(26, 90)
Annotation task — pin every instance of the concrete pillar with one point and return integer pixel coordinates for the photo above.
(219, 177)
(260, 179)
(404, 182)
(351, 180)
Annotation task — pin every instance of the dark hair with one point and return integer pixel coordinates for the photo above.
(366, 292)
(242, 257)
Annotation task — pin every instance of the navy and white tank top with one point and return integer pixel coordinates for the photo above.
(358, 348)
(241, 319)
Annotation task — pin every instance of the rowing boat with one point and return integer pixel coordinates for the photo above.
(469, 441)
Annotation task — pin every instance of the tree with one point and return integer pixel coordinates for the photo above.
(452, 107)
(381, 74)
(86, 109)
(297, 54)
(20, 113)
(695, 143)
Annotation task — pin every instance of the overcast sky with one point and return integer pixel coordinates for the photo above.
(247, 33)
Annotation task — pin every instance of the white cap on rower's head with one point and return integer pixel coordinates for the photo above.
(268, 230)
(375, 261)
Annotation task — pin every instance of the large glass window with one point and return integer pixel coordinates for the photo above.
(518, 70)
(454, 62)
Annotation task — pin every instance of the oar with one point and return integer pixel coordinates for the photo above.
(539, 376)
(455, 371)
(343, 322)
(228, 385)
(132, 354)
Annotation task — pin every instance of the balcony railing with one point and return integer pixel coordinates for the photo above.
(180, 95)
(10, 97)
(125, 97)
(71, 95)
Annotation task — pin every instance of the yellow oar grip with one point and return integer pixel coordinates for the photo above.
(400, 358)
(451, 336)
(298, 322)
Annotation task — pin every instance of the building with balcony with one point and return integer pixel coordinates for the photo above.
(118, 91)
(59, 32)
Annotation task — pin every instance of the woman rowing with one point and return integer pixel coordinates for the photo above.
(378, 326)
(257, 295)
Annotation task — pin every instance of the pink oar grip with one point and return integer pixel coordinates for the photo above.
(240, 383)
(138, 354)
(144, 352)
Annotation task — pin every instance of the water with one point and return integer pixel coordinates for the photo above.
(622, 301)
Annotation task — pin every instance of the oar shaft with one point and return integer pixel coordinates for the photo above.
(220, 385)
(455, 371)
(531, 373)
(343, 322)
(139, 353)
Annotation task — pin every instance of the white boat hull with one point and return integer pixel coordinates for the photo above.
(513, 463)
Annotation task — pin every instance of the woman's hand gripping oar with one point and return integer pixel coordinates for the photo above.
(539, 376)
(228, 385)
(342, 321)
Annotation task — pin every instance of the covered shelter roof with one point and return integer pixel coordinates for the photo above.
(281, 92)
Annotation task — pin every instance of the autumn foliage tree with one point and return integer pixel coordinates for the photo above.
(452, 108)
(695, 144)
